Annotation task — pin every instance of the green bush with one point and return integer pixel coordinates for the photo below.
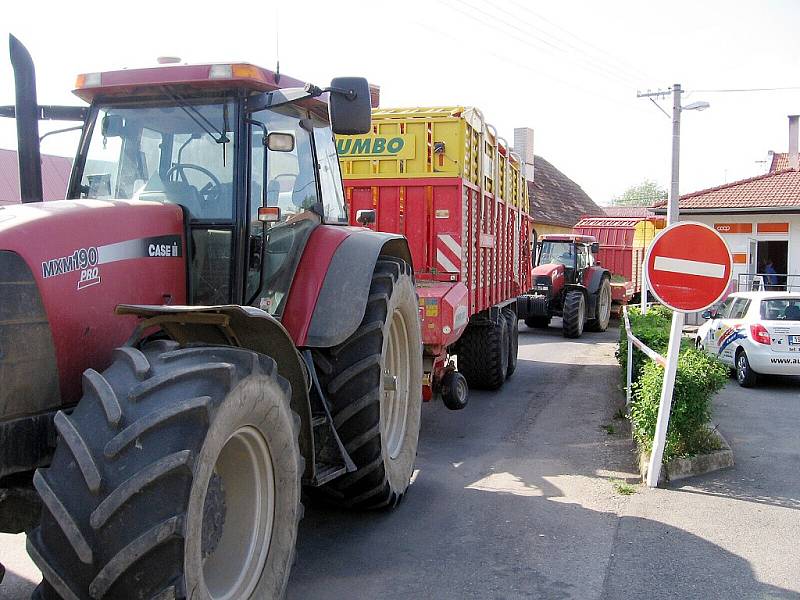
(699, 377)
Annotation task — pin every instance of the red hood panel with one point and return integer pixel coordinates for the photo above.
(88, 256)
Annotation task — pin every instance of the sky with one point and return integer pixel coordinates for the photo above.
(569, 69)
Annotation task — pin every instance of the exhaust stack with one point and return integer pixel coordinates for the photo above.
(26, 112)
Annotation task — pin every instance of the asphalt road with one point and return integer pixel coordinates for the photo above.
(517, 496)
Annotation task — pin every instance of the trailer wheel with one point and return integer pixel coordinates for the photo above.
(574, 315)
(177, 475)
(483, 354)
(513, 340)
(373, 381)
(538, 322)
(603, 316)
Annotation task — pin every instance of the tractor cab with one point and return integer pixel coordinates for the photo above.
(568, 283)
(252, 165)
(575, 253)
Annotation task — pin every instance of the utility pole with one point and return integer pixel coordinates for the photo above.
(672, 200)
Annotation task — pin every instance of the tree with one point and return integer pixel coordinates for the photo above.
(643, 194)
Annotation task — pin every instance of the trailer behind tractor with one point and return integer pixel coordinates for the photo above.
(444, 179)
(196, 333)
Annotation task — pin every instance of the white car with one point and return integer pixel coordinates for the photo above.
(756, 333)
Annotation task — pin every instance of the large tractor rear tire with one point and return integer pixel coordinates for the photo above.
(513, 340)
(373, 381)
(483, 354)
(574, 314)
(177, 475)
(603, 304)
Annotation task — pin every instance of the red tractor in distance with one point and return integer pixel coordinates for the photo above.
(195, 333)
(569, 284)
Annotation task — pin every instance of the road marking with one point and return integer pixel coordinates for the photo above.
(689, 267)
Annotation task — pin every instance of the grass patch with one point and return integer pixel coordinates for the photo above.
(620, 415)
(622, 488)
(609, 429)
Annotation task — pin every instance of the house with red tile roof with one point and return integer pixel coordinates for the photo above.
(55, 177)
(759, 217)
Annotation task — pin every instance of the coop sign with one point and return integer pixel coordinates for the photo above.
(362, 146)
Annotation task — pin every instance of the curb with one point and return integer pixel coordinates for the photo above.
(682, 468)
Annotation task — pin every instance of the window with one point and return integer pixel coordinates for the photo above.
(780, 309)
(739, 308)
(557, 253)
(163, 153)
(291, 182)
(330, 177)
(725, 308)
(583, 257)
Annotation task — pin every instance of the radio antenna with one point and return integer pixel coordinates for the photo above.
(277, 42)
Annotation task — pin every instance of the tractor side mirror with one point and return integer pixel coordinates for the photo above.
(113, 126)
(366, 217)
(279, 142)
(595, 247)
(350, 107)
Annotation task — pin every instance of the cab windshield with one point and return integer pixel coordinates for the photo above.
(557, 253)
(167, 153)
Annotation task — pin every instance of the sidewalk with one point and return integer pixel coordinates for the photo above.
(746, 520)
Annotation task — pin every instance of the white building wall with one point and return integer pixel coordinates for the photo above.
(739, 242)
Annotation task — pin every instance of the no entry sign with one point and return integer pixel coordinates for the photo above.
(688, 266)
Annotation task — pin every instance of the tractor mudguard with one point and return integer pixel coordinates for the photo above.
(343, 297)
(593, 280)
(243, 326)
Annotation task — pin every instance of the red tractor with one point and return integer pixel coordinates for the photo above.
(569, 284)
(195, 333)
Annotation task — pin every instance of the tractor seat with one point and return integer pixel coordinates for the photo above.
(174, 192)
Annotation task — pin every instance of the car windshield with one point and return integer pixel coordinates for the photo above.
(557, 253)
(165, 153)
(780, 309)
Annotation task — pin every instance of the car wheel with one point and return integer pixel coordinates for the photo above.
(744, 374)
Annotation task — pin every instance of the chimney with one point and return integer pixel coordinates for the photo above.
(523, 145)
(794, 160)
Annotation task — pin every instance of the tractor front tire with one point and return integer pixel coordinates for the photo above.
(483, 354)
(603, 308)
(513, 339)
(177, 475)
(574, 314)
(373, 382)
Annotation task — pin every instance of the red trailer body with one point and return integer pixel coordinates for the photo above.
(623, 243)
(444, 179)
(465, 255)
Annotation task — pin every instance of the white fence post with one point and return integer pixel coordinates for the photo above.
(628, 390)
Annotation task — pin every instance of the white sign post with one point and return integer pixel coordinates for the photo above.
(688, 268)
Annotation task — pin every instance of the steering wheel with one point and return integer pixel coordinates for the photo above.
(209, 192)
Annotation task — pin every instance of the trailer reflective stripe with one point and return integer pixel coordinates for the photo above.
(689, 267)
(445, 262)
(451, 243)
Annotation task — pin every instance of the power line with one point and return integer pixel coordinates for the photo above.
(620, 62)
(737, 90)
(523, 40)
(614, 72)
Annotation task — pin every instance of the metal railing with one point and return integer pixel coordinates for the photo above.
(633, 341)
(778, 282)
